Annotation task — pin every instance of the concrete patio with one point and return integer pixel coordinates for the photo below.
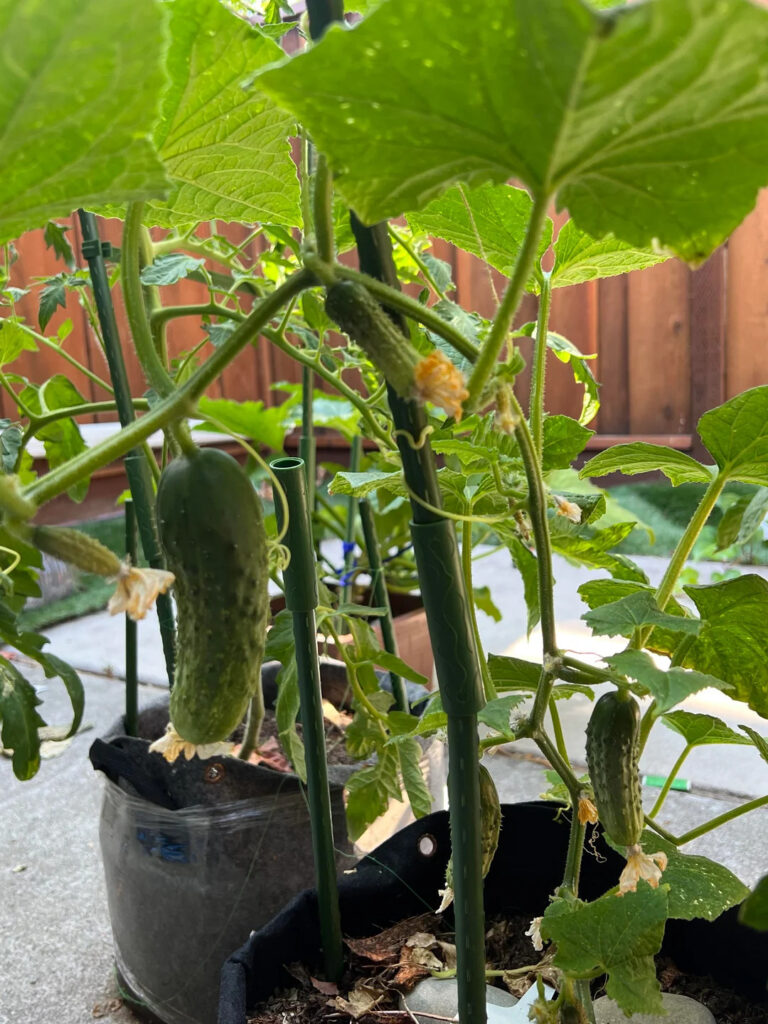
(55, 957)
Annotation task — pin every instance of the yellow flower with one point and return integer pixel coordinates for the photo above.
(648, 866)
(587, 811)
(439, 381)
(567, 508)
(173, 746)
(137, 590)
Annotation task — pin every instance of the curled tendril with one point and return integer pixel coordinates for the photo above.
(413, 444)
(15, 559)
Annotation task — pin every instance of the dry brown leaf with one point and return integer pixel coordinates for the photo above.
(424, 939)
(384, 947)
(327, 988)
(359, 1001)
(449, 955)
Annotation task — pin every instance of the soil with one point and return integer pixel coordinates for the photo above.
(384, 965)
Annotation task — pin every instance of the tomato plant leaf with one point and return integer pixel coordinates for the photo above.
(20, 720)
(76, 115)
(410, 753)
(170, 268)
(14, 340)
(55, 237)
(224, 144)
(53, 295)
(641, 457)
(618, 139)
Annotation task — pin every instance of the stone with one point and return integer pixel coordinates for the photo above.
(680, 1009)
(439, 997)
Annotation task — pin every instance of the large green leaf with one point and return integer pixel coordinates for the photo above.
(736, 434)
(754, 909)
(700, 730)
(598, 592)
(649, 120)
(61, 439)
(641, 457)
(80, 82)
(668, 687)
(619, 935)
(362, 484)
(224, 144)
(410, 753)
(488, 222)
(564, 439)
(579, 257)
(20, 720)
(586, 545)
(734, 637)
(13, 341)
(622, 617)
(518, 674)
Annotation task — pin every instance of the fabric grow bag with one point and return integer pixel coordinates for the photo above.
(198, 853)
(401, 879)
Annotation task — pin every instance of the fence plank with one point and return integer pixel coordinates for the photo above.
(612, 364)
(746, 360)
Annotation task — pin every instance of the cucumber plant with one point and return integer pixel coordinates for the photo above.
(424, 112)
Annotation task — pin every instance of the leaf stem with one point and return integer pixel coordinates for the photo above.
(60, 350)
(322, 209)
(178, 404)
(502, 322)
(557, 728)
(708, 826)
(156, 374)
(536, 407)
(466, 567)
(86, 409)
(203, 309)
(575, 852)
(411, 308)
(669, 780)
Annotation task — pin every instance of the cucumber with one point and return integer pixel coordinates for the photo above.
(613, 736)
(76, 548)
(211, 528)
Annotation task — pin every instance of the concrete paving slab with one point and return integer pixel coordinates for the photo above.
(56, 950)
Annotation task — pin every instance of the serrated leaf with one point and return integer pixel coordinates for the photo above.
(567, 352)
(729, 526)
(10, 445)
(496, 714)
(510, 673)
(641, 457)
(734, 637)
(170, 268)
(88, 144)
(488, 222)
(55, 238)
(596, 593)
(586, 545)
(263, 424)
(564, 439)
(699, 730)
(370, 789)
(579, 257)
(736, 435)
(224, 144)
(759, 741)
(618, 935)
(410, 753)
(754, 909)
(52, 296)
(622, 617)
(20, 720)
(668, 687)
(753, 516)
(13, 341)
(618, 139)
(526, 564)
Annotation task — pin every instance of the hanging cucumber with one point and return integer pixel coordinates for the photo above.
(613, 735)
(211, 527)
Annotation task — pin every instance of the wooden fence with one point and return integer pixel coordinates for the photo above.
(670, 342)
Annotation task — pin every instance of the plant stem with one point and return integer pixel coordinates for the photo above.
(180, 403)
(156, 374)
(502, 322)
(575, 852)
(322, 209)
(557, 729)
(165, 313)
(708, 826)
(669, 780)
(86, 409)
(409, 307)
(131, 633)
(253, 724)
(560, 764)
(67, 357)
(536, 408)
(682, 552)
(466, 565)
(349, 529)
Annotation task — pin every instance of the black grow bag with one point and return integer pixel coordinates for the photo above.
(402, 876)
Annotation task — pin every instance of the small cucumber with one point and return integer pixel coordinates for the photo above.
(612, 756)
(76, 548)
(212, 530)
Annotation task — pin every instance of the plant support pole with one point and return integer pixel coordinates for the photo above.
(136, 467)
(349, 532)
(301, 598)
(381, 597)
(456, 659)
(131, 633)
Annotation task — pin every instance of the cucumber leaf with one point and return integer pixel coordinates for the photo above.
(641, 457)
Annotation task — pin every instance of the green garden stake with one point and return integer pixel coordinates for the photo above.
(307, 441)
(456, 659)
(136, 468)
(131, 633)
(301, 599)
(381, 597)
